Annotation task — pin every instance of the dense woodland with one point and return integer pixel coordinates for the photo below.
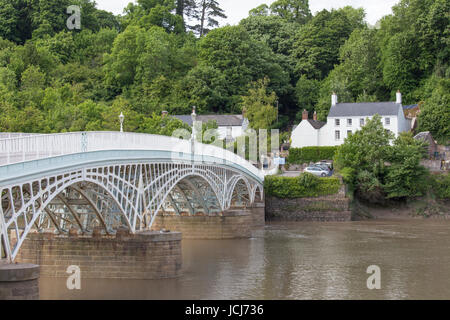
(171, 55)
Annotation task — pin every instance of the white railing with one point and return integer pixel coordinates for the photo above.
(9, 135)
(34, 147)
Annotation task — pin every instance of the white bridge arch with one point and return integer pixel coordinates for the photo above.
(111, 180)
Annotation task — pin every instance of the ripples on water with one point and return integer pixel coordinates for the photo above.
(298, 261)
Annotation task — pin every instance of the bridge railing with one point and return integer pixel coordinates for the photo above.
(34, 147)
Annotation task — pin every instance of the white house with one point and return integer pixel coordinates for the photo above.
(344, 118)
(229, 126)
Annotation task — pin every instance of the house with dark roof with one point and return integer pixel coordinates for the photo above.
(346, 118)
(229, 126)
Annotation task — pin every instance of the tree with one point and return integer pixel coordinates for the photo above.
(401, 70)
(306, 92)
(162, 125)
(261, 10)
(259, 105)
(316, 48)
(206, 14)
(435, 112)
(292, 10)
(405, 177)
(361, 159)
(241, 60)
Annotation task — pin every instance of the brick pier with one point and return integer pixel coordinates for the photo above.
(19, 282)
(232, 224)
(147, 255)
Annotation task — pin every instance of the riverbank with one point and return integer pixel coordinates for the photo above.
(418, 209)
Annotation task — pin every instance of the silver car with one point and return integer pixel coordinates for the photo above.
(317, 171)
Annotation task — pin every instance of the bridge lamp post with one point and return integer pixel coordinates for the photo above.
(194, 118)
(121, 118)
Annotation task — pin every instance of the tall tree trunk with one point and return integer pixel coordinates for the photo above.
(202, 20)
(180, 8)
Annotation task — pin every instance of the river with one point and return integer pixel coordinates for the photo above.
(297, 261)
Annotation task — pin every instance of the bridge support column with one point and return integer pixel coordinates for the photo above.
(232, 224)
(259, 214)
(143, 256)
(19, 281)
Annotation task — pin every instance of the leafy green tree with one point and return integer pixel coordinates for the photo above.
(435, 113)
(366, 148)
(258, 105)
(32, 79)
(261, 10)
(162, 125)
(405, 177)
(204, 87)
(206, 14)
(274, 30)
(292, 10)
(317, 44)
(306, 92)
(241, 60)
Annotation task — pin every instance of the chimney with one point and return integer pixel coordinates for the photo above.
(399, 97)
(334, 99)
(305, 115)
(315, 116)
(164, 113)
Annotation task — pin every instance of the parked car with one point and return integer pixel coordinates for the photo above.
(323, 166)
(317, 171)
(327, 163)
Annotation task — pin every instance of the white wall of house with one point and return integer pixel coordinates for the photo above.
(304, 135)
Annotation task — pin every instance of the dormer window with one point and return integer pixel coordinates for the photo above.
(337, 122)
(349, 122)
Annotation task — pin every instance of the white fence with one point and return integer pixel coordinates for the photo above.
(33, 147)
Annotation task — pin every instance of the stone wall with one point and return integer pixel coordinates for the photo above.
(259, 214)
(148, 255)
(231, 224)
(327, 208)
(19, 282)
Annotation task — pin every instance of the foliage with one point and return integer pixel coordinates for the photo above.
(310, 154)
(435, 113)
(258, 106)
(302, 186)
(317, 44)
(149, 60)
(441, 186)
(377, 170)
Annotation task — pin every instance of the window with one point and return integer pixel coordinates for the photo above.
(387, 121)
(337, 135)
(349, 132)
(337, 122)
(361, 122)
(349, 122)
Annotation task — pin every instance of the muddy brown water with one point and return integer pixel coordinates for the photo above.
(297, 261)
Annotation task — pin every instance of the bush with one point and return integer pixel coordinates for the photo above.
(440, 185)
(303, 186)
(310, 154)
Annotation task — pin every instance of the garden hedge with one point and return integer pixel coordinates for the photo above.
(310, 154)
(302, 186)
